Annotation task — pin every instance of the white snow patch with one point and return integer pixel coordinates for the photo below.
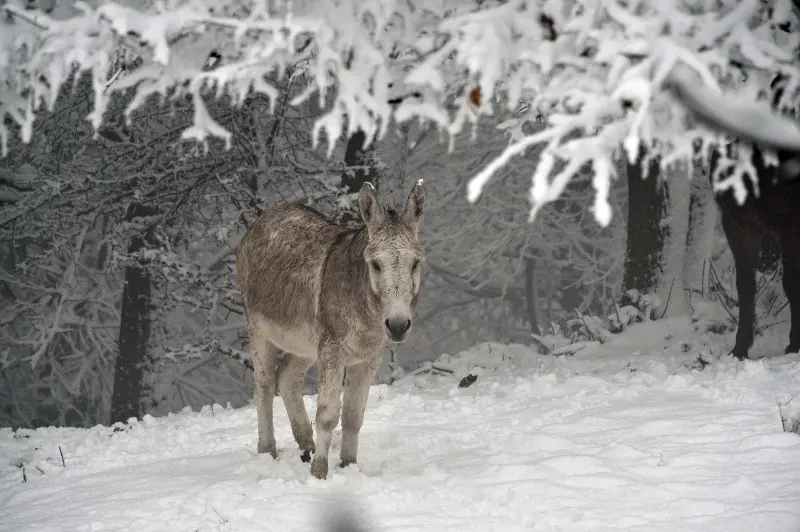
(623, 435)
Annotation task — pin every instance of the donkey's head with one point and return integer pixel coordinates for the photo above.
(393, 256)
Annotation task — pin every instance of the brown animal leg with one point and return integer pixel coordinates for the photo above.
(264, 357)
(790, 250)
(745, 244)
(291, 373)
(358, 380)
(331, 373)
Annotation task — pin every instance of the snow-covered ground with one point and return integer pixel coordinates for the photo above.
(625, 436)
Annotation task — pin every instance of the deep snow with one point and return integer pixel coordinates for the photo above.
(624, 436)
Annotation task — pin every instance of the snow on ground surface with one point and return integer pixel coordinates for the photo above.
(625, 436)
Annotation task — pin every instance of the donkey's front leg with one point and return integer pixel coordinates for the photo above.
(291, 373)
(329, 392)
(358, 380)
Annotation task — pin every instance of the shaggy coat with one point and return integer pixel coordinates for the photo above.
(325, 294)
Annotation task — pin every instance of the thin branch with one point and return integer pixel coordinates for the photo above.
(30, 18)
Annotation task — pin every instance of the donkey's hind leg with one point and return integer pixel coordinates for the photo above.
(358, 380)
(264, 356)
(291, 373)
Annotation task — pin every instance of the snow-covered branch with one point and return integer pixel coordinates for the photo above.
(745, 119)
(599, 71)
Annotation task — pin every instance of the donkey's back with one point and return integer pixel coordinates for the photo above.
(280, 261)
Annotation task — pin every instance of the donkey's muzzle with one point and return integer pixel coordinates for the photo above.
(397, 328)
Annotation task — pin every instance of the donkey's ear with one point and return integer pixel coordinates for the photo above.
(371, 211)
(412, 214)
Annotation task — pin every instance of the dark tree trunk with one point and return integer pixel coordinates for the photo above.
(770, 257)
(134, 359)
(354, 178)
(645, 242)
(770, 253)
(572, 290)
(530, 294)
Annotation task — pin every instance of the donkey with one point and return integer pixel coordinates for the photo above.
(323, 293)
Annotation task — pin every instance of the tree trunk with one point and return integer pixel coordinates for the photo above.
(531, 300)
(770, 257)
(133, 360)
(700, 237)
(671, 270)
(354, 178)
(645, 232)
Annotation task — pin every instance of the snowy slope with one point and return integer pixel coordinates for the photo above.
(625, 436)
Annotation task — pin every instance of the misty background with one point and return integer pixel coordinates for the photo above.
(117, 252)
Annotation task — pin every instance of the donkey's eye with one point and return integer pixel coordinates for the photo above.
(415, 265)
(375, 265)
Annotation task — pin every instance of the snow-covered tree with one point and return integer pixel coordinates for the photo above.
(154, 291)
(603, 74)
(489, 272)
(603, 77)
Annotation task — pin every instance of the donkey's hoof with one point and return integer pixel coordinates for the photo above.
(306, 456)
(344, 463)
(266, 448)
(319, 468)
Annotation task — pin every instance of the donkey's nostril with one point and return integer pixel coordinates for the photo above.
(397, 327)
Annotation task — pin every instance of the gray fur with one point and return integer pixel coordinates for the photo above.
(326, 294)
